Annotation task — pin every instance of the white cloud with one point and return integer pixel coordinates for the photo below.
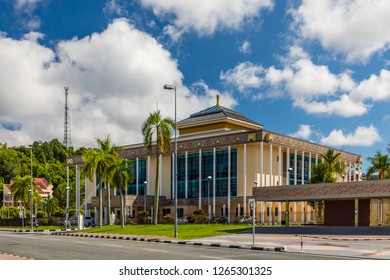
(206, 17)
(112, 87)
(245, 48)
(355, 28)
(244, 76)
(304, 131)
(376, 88)
(27, 4)
(311, 87)
(114, 7)
(362, 136)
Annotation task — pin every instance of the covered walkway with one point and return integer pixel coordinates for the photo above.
(361, 203)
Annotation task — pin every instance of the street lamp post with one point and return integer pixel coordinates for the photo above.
(172, 87)
(67, 199)
(145, 183)
(31, 192)
(208, 196)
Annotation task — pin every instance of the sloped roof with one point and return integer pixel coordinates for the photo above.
(216, 113)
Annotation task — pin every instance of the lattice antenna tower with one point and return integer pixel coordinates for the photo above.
(67, 141)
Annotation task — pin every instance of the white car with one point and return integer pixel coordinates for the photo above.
(182, 220)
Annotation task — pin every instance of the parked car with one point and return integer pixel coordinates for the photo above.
(243, 220)
(218, 220)
(89, 221)
(182, 220)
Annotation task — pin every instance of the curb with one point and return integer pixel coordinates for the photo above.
(29, 230)
(344, 239)
(191, 243)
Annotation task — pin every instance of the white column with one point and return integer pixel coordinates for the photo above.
(295, 166)
(303, 168)
(288, 167)
(148, 175)
(238, 209)
(214, 175)
(200, 179)
(309, 166)
(271, 177)
(359, 172)
(261, 163)
(279, 165)
(229, 183)
(136, 175)
(186, 174)
(244, 182)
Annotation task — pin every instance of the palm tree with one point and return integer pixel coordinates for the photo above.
(21, 189)
(333, 163)
(96, 162)
(158, 128)
(119, 174)
(379, 164)
(52, 205)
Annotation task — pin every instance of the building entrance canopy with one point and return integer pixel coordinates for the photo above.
(329, 191)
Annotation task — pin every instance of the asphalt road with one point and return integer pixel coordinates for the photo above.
(44, 246)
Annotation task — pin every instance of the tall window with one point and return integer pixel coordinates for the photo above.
(300, 163)
(132, 186)
(207, 161)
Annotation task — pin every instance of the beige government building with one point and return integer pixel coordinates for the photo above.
(225, 159)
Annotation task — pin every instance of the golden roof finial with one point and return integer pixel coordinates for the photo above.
(217, 100)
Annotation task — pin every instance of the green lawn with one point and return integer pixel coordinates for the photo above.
(185, 231)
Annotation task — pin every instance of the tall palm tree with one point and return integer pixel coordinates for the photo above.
(21, 189)
(96, 162)
(379, 164)
(52, 205)
(119, 174)
(333, 163)
(159, 129)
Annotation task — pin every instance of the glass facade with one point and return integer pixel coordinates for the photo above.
(132, 187)
(300, 163)
(207, 169)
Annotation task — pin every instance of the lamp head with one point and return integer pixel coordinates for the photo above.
(169, 87)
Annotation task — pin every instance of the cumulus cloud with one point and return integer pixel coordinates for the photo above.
(362, 136)
(112, 86)
(354, 28)
(304, 132)
(244, 76)
(245, 48)
(206, 17)
(311, 87)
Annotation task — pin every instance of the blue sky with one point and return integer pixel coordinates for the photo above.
(317, 70)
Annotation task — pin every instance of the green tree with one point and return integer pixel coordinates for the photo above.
(320, 174)
(159, 129)
(96, 162)
(333, 163)
(119, 174)
(51, 206)
(21, 189)
(379, 164)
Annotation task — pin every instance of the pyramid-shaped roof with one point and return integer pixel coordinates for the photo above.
(216, 118)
